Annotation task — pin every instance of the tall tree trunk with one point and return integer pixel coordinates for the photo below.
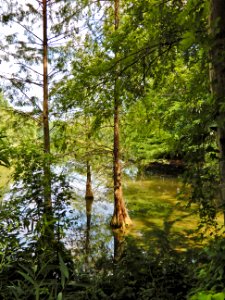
(47, 171)
(89, 203)
(120, 217)
(217, 74)
(89, 192)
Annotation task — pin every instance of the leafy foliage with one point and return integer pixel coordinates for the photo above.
(167, 112)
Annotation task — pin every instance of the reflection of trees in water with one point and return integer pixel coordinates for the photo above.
(97, 240)
(89, 198)
(89, 202)
(90, 249)
(119, 245)
(166, 236)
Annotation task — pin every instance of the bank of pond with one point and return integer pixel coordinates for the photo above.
(81, 257)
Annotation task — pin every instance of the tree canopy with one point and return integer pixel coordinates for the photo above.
(102, 85)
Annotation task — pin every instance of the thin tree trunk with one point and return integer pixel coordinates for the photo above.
(89, 192)
(120, 217)
(217, 74)
(47, 172)
(89, 197)
(89, 203)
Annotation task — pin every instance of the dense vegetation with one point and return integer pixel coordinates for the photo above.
(91, 86)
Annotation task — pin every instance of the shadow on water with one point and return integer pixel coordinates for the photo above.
(157, 214)
(149, 261)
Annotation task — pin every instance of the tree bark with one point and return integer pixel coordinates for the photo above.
(120, 217)
(217, 74)
(89, 192)
(45, 80)
(47, 171)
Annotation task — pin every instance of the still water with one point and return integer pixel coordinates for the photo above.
(159, 217)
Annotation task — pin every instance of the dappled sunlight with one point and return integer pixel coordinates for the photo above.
(5, 176)
(158, 215)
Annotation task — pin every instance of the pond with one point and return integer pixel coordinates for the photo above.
(159, 213)
(159, 217)
(84, 258)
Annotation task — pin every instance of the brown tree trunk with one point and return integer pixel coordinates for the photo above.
(217, 74)
(89, 192)
(89, 203)
(89, 197)
(120, 217)
(47, 172)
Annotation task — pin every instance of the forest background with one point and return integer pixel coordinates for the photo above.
(99, 84)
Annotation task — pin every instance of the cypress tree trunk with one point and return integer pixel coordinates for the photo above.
(89, 203)
(89, 196)
(47, 172)
(89, 193)
(217, 74)
(120, 217)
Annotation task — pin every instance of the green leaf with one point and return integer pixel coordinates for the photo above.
(63, 268)
(219, 296)
(27, 277)
(63, 280)
(59, 297)
(204, 296)
(201, 296)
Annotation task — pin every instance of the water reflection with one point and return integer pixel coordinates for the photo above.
(89, 203)
(81, 241)
(159, 214)
(119, 245)
(82, 222)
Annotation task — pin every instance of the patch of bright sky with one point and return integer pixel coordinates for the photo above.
(10, 67)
